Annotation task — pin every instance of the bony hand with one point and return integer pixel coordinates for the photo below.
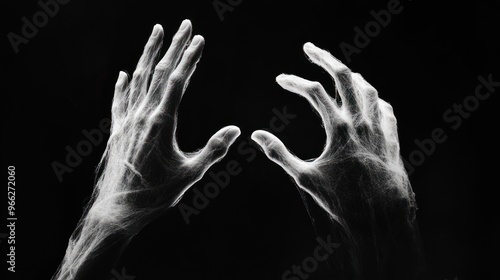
(144, 169)
(360, 169)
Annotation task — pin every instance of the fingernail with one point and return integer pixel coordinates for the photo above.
(234, 132)
(196, 40)
(156, 30)
(184, 24)
(280, 78)
(256, 137)
(308, 45)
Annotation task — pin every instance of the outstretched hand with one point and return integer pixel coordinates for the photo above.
(360, 165)
(359, 178)
(142, 152)
(142, 171)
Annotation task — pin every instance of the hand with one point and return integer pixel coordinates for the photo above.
(144, 169)
(359, 179)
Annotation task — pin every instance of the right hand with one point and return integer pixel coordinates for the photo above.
(360, 171)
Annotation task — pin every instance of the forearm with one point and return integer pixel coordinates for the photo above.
(94, 248)
(377, 224)
(104, 231)
(387, 239)
(143, 170)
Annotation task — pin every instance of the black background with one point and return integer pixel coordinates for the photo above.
(423, 62)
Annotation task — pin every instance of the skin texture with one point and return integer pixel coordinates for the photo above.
(359, 180)
(143, 172)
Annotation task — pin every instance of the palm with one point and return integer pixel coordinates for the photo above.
(142, 153)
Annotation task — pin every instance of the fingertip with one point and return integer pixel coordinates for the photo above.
(232, 132)
(311, 51)
(308, 47)
(236, 129)
(157, 30)
(122, 80)
(197, 40)
(260, 137)
(255, 136)
(121, 75)
(288, 81)
(324, 58)
(291, 83)
(280, 79)
(185, 24)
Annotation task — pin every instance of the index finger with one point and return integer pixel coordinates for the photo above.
(339, 72)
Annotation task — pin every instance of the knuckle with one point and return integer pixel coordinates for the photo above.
(342, 119)
(343, 71)
(392, 120)
(386, 107)
(371, 96)
(177, 39)
(393, 147)
(217, 148)
(357, 77)
(189, 54)
(176, 78)
(139, 71)
(315, 87)
(216, 143)
(372, 92)
(153, 118)
(139, 117)
(118, 87)
(271, 148)
(140, 123)
(116, 109)
(153, 45)
(161, 66)
(273, 151)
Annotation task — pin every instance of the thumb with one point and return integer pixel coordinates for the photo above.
(217, 146)
(276, 151)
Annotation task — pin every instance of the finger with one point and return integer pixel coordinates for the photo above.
(142, 73)
(315, 94)
(339, 72)
(168, 63)
(369, 96)
(276, 151)
(217, 147)
(177, 82)
(388, 123)
(119, 107)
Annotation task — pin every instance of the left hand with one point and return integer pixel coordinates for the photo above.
(145, 170)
